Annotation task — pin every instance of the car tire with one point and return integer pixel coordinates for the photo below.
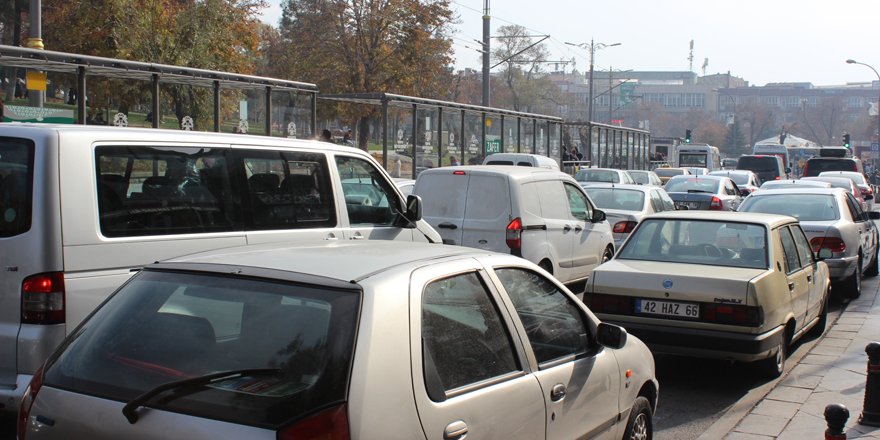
(640, 425)
(852, 286)
(774, 366)
(607, 255)
(872, 269)
(819, 327)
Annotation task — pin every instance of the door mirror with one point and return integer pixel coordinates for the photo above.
(610, 335)
(598, 216)
(413, 208)
(823, 254)
(874, 215)
(744, 192)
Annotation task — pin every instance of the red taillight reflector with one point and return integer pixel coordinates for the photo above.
(42, 299)
(329, 424)
(458, 173)
(613, 304)
(733, 314)
(834, 244)
(513, 234)
(27, 401)
(624, 227)
(716, 204)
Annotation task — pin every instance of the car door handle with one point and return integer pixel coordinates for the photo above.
(790, 287)
(566, 228)
(446, 225)
(809, 278)
(578, 228)
(557, 393)
(455, 430)
(358, 236)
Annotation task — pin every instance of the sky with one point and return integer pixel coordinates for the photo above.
(760, 41)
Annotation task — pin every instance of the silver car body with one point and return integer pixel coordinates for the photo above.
(827, 213)
(793, 184)
(860, 181)
(716, 193)
(391, 370)
(643, 177)
(626, 205)
(842, 182)
(588, 176)
(744, 179)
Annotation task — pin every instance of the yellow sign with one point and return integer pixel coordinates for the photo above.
(36, 80)
(488, 122)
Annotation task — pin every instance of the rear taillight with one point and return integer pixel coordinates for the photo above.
(733, 314)
(42, 299)
(513, 236)
(834, 244)
(613, 304)
(27, 401)
(716, 204)
(329, 424)
(624, 227)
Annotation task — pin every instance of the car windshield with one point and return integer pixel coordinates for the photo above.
(716, 243)
(693, 185)
(668, 172)
(804, 207)
(616, 198)
(598, 176)
(639, 177)
(165, 327)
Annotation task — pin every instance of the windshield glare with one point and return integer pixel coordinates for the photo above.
(692, 184)
(804, 207)
(611, 198)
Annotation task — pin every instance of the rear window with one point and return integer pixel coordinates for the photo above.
(640, 178)
(804, 207)
(767, 163)
(503, 162)
(818, 165)
(168, 326)
(611, 198)
(597, 176)
(690, 184)
(668, 172)
(16, 185)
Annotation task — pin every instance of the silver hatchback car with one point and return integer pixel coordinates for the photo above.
(356, 340)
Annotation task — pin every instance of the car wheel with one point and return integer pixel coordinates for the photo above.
(640, 425)
(852, 287)
(872, 269)
(608, 255)
(819, 328)
(547, 266)
(774, 366)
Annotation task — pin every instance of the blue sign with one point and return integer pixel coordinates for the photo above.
(875, 146)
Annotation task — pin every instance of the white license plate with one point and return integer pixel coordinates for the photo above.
(690, 205)
(667, 308)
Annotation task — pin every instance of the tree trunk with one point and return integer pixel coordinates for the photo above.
(363, 133)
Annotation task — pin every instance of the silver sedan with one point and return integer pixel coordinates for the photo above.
(713, 193)
(626, 205)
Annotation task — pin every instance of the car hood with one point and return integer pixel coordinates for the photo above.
(674, 281)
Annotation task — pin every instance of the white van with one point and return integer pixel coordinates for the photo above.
(541, 215)
(522, 160)
(82, 208)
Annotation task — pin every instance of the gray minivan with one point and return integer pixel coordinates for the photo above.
(766, 166)
(82, 208)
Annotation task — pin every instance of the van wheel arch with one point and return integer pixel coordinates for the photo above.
(546, 265)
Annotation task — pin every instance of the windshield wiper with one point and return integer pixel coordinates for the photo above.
(129, 409)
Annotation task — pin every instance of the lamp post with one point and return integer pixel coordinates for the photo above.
(851, 61)
(592, 47)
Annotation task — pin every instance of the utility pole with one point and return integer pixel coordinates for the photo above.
(486, 53)
(35, 41)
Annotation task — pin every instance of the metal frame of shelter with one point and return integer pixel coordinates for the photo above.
(83, 65)
(534, 133)
(610, 146)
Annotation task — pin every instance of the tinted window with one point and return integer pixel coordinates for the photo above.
(805, 207)
(692, 184)
(817, 165)
(640, 178)
(166, 326)
(369, 197)
(668, 172)
(614, 198)
(464, 339)
(16, 185)
(598, 176)
(577, 203)
(763, 164)
(552, 321)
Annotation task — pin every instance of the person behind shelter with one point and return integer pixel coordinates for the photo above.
(453, 161)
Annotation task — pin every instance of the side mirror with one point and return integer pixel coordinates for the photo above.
(413, 208)
(610, 335)
(823, 254)
(598, 216)
(744, 192)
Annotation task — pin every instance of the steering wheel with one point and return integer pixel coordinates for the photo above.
(710, 250)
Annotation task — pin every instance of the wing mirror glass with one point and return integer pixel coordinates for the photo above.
(610, 335)
(413, 208)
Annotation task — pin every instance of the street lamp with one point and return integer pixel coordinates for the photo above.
(592, 47)
(851, 61)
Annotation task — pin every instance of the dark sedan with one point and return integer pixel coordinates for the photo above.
(714, 193)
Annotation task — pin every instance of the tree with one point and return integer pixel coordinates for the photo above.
(529, 90)
(735, 141)
(363, 46)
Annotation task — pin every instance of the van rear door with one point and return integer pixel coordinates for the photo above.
(487, 212)
(444, 194)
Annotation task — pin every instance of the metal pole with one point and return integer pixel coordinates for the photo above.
(590, 104)
(268, 111)
(415, 143)
(217, 106)
(81, 95)
(439, 136)
(385, 133)
(35, 42)
(154, 92)
(486, 40)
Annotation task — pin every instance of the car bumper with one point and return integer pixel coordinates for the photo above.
(10, 394)
(706, 343)
(841, 268)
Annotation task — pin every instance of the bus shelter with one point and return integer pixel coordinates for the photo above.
(420, 133)
(609, 146)
(82, 89)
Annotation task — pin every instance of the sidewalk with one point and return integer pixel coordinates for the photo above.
(834, 371)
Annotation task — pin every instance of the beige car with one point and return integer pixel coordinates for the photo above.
(728, 285)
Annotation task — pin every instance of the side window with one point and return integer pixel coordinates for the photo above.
(553, 323)
(464, 340)
(16, 185)
(288, 190)
(164, 190)
(792, 262)
(668, 204)
(656, 201)
(578, 204)
(369, 197)
(554, 201)
(805, 251)
(855, 209)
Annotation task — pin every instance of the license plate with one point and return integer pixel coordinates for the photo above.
(667, 308)
(690, 205)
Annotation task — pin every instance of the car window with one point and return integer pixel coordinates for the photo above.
(488, 197)
(16, 186)
(804, 207)
(805, 251)
(789, 249)
(369, 197)
(855, 209)
(656, 201)
(577, 203)
(464, 338)
(554, 200)
(553, 323)
(668, 203)
(617, 198)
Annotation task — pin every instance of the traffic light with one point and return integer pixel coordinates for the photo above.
(687, 136)
(846, 140)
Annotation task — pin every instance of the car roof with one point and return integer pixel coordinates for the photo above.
(699, 176)
(729, 172)
(344, 261)
(770, 220)
(515, 172)
(626, 186)
(805, 189)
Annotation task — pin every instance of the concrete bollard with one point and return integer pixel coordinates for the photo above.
(871, 408)
(835, 416)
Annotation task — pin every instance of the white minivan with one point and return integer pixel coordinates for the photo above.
(521, 160)
(82, 208)
(539, 214)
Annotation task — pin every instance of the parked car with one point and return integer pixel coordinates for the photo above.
(727, 285)
(521, 159)
(747, 181)
(834, 220)
(666, 173)
(405, 186)
(626, 205)
(716, 193)
(767, 166)
(842, 182)
(643, 177)
(859, 179)
(603, 175)
(359, 340)
(539, 214)
(817, 165)
(85, 207)
(794, 184)
(728, 163)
